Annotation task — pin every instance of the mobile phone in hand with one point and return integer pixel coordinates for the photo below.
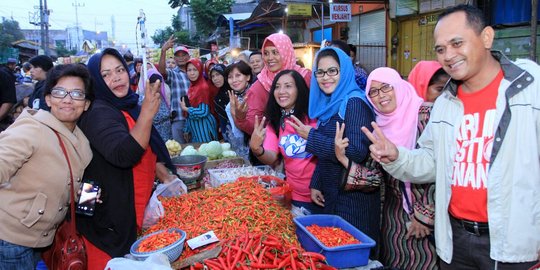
(87, 200)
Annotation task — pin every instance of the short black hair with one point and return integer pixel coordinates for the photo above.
(128, 56)
(273, 110)
(475, 18)
(242, 66)
(255, 53)
(438, 76)
(70, 70)
(342, 45)
(326, 53)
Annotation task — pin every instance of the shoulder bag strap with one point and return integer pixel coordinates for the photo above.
(72, 192)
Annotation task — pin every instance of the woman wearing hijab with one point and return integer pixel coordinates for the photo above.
(162, 120)
(201, 126)
(278, 55)
(128, 155)
(217, 78)
(428, 79)
(409, 210)
(335, 98)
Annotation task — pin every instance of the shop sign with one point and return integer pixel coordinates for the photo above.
(299, 9)
(340, 13)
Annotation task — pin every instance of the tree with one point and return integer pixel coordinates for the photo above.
(206, 12)
(9, 32)
(62, 51)
(178, 3)
(182, 36)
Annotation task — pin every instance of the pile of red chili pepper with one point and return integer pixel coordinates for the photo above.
(332, 236)
(234, 208)
(260, 251)
(158, 241)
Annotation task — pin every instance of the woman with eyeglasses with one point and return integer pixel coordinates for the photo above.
(34, 174)
(334, 99)
(409, 209)
(129, 154)
(278, 55)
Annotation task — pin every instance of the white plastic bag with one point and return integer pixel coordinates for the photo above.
(158, 261)
(154, 210)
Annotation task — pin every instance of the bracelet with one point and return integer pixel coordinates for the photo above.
(262, 153)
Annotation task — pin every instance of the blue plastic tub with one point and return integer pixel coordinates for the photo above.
(339, 257)
(173, 251)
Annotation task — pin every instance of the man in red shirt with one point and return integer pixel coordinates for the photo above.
(481, 147)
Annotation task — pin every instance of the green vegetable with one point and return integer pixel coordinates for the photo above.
(189, 151)
(228, 153)
(213, 149)
(225, 147)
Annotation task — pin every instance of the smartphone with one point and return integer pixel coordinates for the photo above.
(87, 200)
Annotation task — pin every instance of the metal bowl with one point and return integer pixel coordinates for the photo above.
(190, 168)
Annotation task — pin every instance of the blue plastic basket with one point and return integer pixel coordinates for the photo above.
(173, 251)
(339, 257)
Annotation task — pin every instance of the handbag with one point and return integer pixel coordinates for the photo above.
(365, 176)
(67, 251)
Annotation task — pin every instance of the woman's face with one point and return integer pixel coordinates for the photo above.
(327, 83)
(384, 102)
(37, 73)
(435, 90)
(217, 79)
(286, 92)
(115, 75)
(192, 72)
(67, 110)
(237, 80)
(272, 58)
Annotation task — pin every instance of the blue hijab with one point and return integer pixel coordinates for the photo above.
(127, 103)
(322, 106)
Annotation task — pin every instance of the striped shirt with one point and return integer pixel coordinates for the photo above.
(179, 84)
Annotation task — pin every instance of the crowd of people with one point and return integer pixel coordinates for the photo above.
(440, 169)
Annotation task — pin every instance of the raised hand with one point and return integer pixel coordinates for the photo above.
(382, 149)
(301, 129)
(258, 135)
(169, 43)
(340, 144)
(152, 98)
(238, 108)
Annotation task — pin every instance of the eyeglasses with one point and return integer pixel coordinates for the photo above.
(61, 93)
(385, 88)
(331, 72)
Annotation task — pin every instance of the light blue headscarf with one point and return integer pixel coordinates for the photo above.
(323, 106)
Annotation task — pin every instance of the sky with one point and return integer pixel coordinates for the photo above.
(95, 15)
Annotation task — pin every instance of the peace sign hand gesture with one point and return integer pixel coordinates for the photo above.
(382, 149)
(301, 129)
(258, 135)
(340, 144)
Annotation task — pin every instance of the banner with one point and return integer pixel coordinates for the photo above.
(340, 13)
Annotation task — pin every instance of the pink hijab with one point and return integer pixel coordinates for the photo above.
(399, 126)
(285, 48)
(421, 75)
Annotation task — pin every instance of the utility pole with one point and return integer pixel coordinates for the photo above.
(46, 25)
(41, 25)
(77, 5)
(534, 26)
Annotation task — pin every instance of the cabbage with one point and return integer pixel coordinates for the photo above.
(189, 150)
(213, 149)
(202, 152)
(228, 153)
(225, 147)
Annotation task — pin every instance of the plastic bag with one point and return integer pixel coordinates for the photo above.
(279, 189)
(154, 209)
(158, 261)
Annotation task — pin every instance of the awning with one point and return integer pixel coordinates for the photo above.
(223, 20)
